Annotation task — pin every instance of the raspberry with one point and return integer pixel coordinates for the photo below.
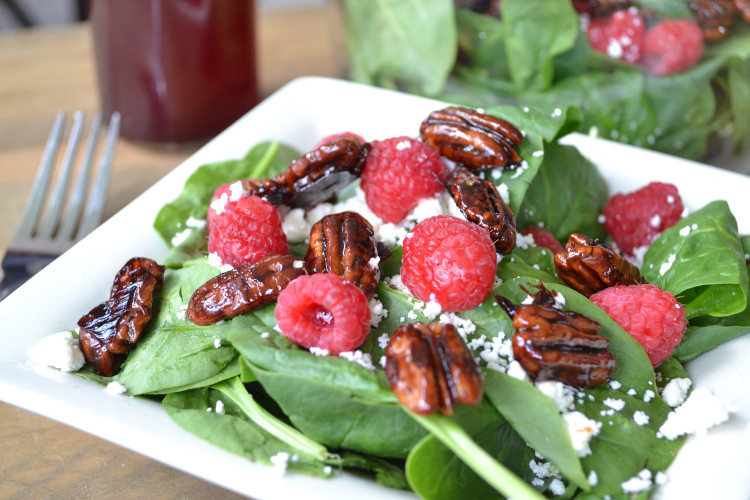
(649, 314)
(323, 311)
(451, 261)
(400, 172)
(672, 46)
(245, 231)
(226, 192)
(543, 238)
(620, 36)
(635, 219)
(332, 137)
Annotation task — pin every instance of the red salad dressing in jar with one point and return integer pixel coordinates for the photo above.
(177, 70)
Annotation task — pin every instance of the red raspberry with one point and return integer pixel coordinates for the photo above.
(451, 261)
(636, 219)
(672, 46)
(323, 311)
(332, 137)
(400, 172)
(543, 238)
(222, 195)
(620, 36)
(649, 314)
(245, 231)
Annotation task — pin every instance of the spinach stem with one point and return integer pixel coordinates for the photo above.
(235, 390)
(459, 442)
(265, 162)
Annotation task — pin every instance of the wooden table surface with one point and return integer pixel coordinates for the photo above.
(46, 70)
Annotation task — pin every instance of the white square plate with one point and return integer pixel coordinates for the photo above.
(300, 114)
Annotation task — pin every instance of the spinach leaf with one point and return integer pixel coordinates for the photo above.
(567, 195)
(175, 354)
(263, 160)
(535, 32)
(334, 401)
(434, 473)
(546, 432)
(393, 43)
(701, 261)
(233, 431)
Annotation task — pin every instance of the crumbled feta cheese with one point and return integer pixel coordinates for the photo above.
(59, 350)
(182, 312)
(525, 241)
(280, 461)
(215, 260)
(700, 411)
(640, 417)
(317, 351)
(115, 388)
(615, 404)
(180, 237)
(220, 407)
(217, 343)
(383, 340)
(655, 221)
(377, 311)
(581, 429)
(363, 359)
(593, 478)
(675, 392)
(560, 394)
(614, 384)
(515, 370)
(543, 470)
(648, 395)
(432, 309)
(295, 225)
(464, 327)
(636, 484)
(557, 487)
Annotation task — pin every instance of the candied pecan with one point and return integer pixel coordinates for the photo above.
(315, 177)
(743, 6)
(587, 266)
(481, 204)
(713, 16)
(113, 327)
(243, 289)
(472, 138)
(344, 244)
(551, 344)
(430, 369)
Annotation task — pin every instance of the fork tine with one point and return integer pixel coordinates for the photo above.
(52, 213)
(73, 210)
(41, 181)
(95, 207)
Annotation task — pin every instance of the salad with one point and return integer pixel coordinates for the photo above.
(568, 52)
(275, 402)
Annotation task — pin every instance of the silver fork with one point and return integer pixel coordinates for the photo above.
(47, 232)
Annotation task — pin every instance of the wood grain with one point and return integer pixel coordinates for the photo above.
(46, 70)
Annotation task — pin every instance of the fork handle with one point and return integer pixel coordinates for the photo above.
(18, 267)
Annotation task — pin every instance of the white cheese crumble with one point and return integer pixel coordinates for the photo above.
(383, 340)
(675, 392)
(220, 407)
(581, 429)
(640, 417)
(363, 359)
(525, 241)
(638, 483)
(115, 388)
(217, 343)
(593, 478)
(280, 461)
(59, 350)
(560, 394)
(515, 370)
(215, 260)
(615, 404)
(377, 311)
(700, 411)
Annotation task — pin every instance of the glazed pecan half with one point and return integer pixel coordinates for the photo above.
(316, 177)
(480, 202)
(714, 17)
(344, 244)
(471, 138)
(430, 369)
(551, 344)
(113, 327)
(587, 266)
(243, 289)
